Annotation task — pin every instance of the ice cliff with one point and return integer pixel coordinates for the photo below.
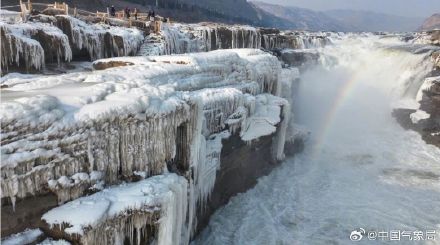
(79, 133)
(187, 38)
(61, 38)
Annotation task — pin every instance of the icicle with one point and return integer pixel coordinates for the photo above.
(203, 102)
(280, 137)
(17, 38)
(93, 38)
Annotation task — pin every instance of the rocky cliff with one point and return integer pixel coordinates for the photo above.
(425, 116)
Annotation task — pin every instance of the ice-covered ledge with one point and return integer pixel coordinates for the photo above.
(61, 38)
(177, 38)
(77, 133)
(92, 219)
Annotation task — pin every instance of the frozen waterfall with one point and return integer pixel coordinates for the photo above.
(360, 168)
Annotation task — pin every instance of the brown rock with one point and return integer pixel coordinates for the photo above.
(102, 65)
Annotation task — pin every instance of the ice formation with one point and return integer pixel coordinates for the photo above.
(179, 38)
(10, 16)
(98, 40)
(428, 86)
(426, 38)
(50, 241)
(25, 237)
(289, 78)
(61, 38)
(126, 211)
(30, 45)
(75, 133)
(419, 115)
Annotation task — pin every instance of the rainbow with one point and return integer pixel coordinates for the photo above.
(343, 94)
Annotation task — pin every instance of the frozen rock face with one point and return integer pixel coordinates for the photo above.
(127, 212)
(99, 41)
(185, 38)
(75, 134)
(10, 16)
(436, 59)
(63, 38)
(300, 58)
(425, 117)
(31, 45)
(429, 99)
(429, 37)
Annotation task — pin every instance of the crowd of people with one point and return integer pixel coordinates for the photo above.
(154, 23)
(128, 13)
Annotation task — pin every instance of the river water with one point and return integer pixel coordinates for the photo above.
(360, 169)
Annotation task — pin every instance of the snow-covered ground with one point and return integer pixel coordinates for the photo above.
(360, 169)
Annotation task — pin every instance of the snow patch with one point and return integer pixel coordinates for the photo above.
(25, 237)
(419, 115)
(50, 241)
(427, 86)
(267, 115)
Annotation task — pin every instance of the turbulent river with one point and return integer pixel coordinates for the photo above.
(360, 169)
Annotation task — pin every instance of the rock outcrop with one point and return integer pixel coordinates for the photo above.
(427, 117)
(300, 58)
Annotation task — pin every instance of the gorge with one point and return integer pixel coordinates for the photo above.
(161, 137)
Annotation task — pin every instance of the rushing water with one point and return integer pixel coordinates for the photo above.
(360, 169)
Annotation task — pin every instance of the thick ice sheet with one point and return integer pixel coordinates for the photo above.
(151, 87)
(158, 192)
